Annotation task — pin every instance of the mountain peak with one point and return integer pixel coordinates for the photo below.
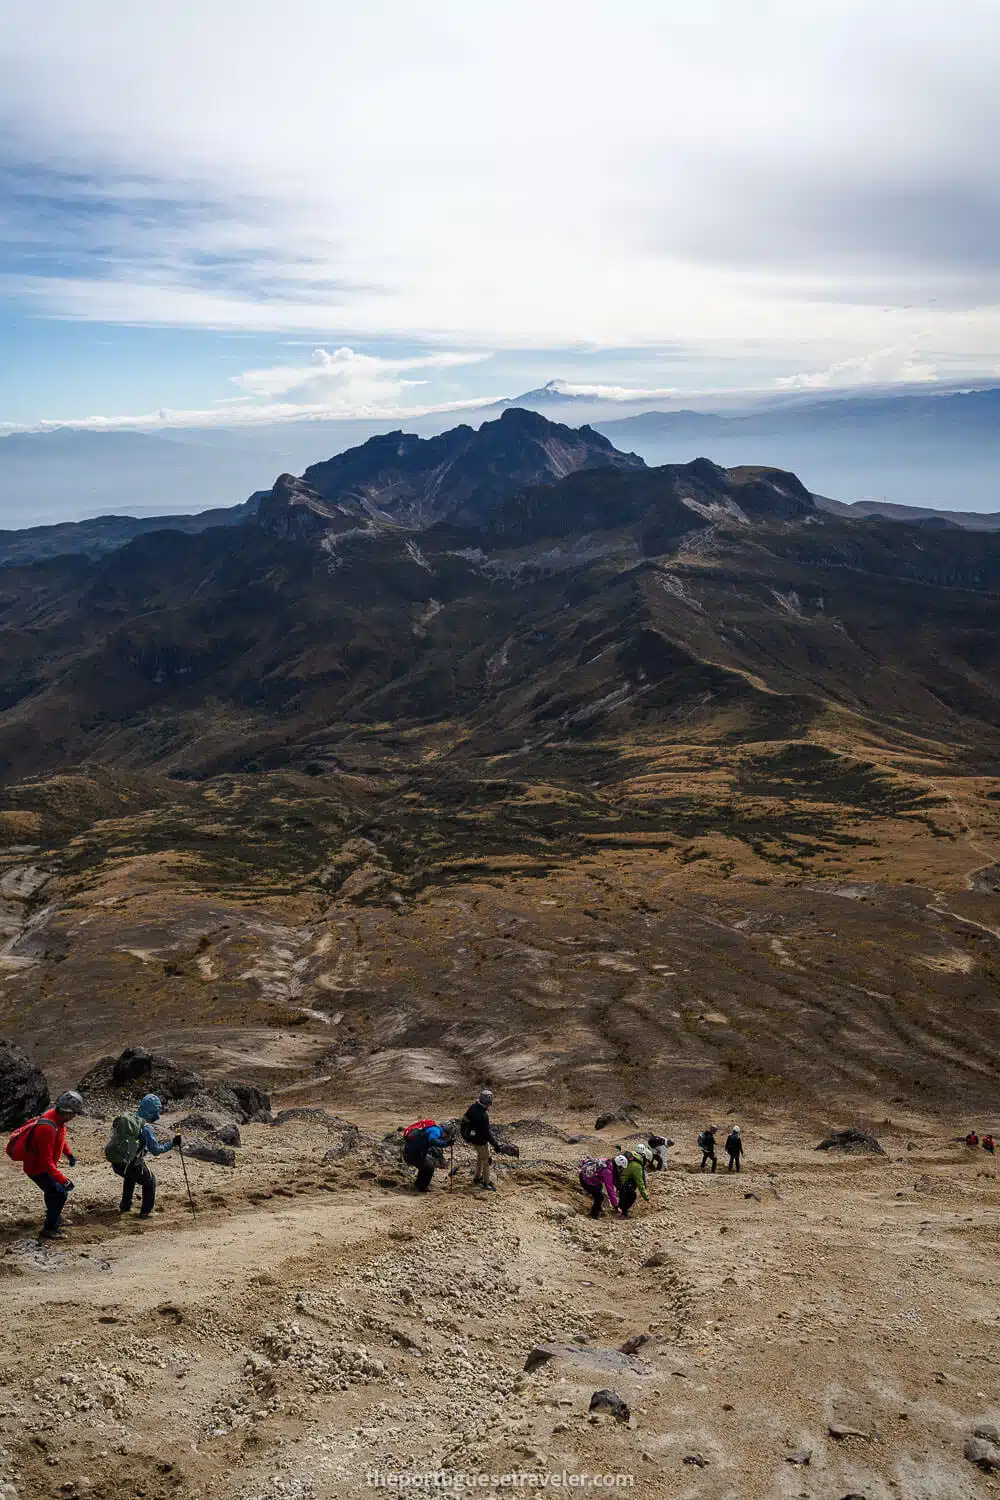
(462, 473)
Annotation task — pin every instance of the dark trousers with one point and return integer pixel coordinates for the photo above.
(136, 1174)
(596, 1192)
(708, 1156)
(55, 1199)
(734, 1160)
(627, 1195)
(425, 1171)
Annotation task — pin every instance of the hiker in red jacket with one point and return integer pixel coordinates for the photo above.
(45, 1146)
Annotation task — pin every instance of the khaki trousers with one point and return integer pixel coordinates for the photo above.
(482, 1173)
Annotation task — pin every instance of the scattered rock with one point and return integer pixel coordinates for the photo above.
(306, 1112)
(927, 1184)
(697, 1459)
(801, 1457)
(406, 1340)
(854, 1142)
(755, 1196)
(345, 1142)
(612, 1404)
(220, 1156)
(152, 1073)
(659, 1257)
(24, 1091)
(988, 1432)
(529, 1127)
(557, 1213)
(984, 1454)
(839, 1431)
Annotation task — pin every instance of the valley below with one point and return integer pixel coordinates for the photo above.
(658, 793)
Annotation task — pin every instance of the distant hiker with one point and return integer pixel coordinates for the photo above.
(734, 1148)
(631, 1179)
(476, 1131)
(39, 1146)
(972, 1139)
(598, 1177)
(658, 1145)
(132, 1136)
(706, 1145)
(423, 1148)
(989, 1144)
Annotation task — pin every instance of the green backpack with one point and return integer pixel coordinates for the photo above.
(126, 1140)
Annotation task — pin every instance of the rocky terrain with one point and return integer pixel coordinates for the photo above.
(608, 785)
(812, 1327)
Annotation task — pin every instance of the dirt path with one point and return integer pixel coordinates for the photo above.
(288, 1345)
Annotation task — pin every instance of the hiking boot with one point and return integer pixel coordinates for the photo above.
(53, 1234)
(145, 1213)
(487, 1187)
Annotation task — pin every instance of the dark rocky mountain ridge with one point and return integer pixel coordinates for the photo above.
(334, 793)
(462, 473)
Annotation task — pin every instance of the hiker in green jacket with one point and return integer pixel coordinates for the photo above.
(631, 1179)
(132, 1136)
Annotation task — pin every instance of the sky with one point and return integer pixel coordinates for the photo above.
(231, 211)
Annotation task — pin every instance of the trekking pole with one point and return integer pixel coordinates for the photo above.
(187, 1183)
(451, 1170)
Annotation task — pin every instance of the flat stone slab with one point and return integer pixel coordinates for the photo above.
(608, 1360)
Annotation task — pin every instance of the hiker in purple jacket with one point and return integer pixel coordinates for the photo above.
(595, 1177)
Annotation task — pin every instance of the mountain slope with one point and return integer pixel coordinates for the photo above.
(462, 473)
(639, 749)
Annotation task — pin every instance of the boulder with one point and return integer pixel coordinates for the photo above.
(854, 1142)
(984, 1454)
(220, 1156)
(611, 1404)
(623, 1116)
(245, 1100)
(218, 1130)
(24, 1091)
(137, 1071)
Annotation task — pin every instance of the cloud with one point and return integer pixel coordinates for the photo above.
(343, 379)
(612, 392)
(882, 367)
(801, 182)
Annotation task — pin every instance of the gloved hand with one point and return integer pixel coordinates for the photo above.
(509, 1149)
(71, 1159)
(177, 1139)
(69, 1186)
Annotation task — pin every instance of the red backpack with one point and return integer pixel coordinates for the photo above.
(417, 1125)
(18, 1143)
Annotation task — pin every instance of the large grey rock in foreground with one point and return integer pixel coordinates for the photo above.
(24, 1091)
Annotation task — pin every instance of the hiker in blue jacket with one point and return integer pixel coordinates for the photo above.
(134, 1171)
